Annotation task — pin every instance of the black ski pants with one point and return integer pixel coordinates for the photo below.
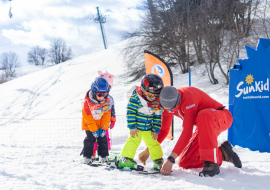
(89, 145)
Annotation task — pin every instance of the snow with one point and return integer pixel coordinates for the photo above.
(58, 91)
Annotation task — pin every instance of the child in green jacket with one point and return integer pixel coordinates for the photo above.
(144, 122)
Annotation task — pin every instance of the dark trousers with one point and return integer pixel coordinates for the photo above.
(89, 145)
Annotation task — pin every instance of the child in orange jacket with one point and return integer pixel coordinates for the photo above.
(109, 77)
(96, 119)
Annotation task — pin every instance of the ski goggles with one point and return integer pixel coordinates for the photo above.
(102, 94)
(150, 95)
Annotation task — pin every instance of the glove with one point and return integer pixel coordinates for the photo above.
(112, 124)
(143, 156)
(101, 132)
(96, 134)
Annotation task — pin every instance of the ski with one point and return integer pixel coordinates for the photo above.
(81, 160)
(114, 166)
(111, 158)
(109, 168)
(97, 164)
(140, 171)
(147, 172)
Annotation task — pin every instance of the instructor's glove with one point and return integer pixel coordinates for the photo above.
(101, 132)
(96, 134)
(112, 124)
(143, 156)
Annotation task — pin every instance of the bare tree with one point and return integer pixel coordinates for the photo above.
(9, 62)
(37, 55)
(186, 31)
(261, 22)
(163, 32)
(223, 25)
(59, 52)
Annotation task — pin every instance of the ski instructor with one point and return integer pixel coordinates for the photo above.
(199, 148)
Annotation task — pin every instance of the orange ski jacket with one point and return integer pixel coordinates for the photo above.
(96, 115)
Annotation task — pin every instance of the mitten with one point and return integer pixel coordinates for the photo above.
(96, 134)
(143, 156)
(112, 124)
(101, 132)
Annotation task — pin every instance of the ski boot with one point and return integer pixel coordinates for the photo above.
(125, 162)
(88, 161)
(209, 169)
(229, 155)
(104, 160)
(158, 164)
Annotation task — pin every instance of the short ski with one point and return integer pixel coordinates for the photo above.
(111, 158)
(140, 171)
(140, 168)
(149, 172)
(97, 164)
(115, 166)
(81, 160)
(109, 168)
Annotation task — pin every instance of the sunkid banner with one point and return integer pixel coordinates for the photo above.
(249, 99)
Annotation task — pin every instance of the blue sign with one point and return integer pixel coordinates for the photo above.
(249, 99)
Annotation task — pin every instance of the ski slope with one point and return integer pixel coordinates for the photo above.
(58, 91)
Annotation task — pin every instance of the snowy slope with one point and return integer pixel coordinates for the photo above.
(57, 92)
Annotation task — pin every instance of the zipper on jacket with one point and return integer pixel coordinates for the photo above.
(145, 126)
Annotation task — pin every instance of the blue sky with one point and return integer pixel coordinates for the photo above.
(35, 22)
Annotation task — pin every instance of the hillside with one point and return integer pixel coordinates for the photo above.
(57, 92)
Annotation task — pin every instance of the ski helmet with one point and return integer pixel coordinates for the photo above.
(151, 86)
(169, 97)
(152, 82)
(100, 85)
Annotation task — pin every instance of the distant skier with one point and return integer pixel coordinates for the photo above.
(96, 119)
(109, 77)
(198, 149)
(144, 121)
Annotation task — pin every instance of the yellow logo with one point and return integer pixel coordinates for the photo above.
(249, 79)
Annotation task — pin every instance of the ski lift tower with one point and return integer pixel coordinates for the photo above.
(10, 13)
(101, 20)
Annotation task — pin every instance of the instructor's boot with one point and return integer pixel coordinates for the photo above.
(229, 155)
(126, 162)
(209, 169)
(158, 164)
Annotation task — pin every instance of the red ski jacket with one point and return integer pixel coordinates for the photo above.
(192, 100)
